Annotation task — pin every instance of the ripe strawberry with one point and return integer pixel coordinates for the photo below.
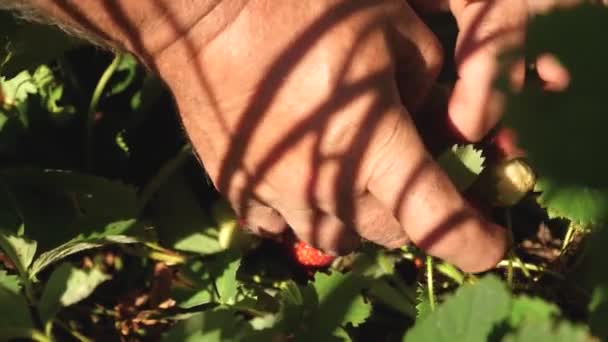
(309, 256)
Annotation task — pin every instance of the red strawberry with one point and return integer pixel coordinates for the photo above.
(309, 256)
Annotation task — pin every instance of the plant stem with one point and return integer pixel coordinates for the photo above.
(78, 336)
(99, 88)
(569, 235)
(161, 176)
(429, 281)
(39, 337)
(528, 267)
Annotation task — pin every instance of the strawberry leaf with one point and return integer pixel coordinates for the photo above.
(10, 282)
(529, 309)
(545, 331)
(66, 286)
(462, 163)
(15, 314)
(469, 315)
(218, 325)
(340, 301)
(181, 222)
(20, 250)
(584, 205)
(563, 133)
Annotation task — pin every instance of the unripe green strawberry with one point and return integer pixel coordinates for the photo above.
(309, 256)
(514, 179)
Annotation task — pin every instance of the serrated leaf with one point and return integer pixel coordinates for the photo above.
(423, 306)
(545, 331)
(216, 325)
(462, 163)
(563, 133)
(527, 309)
(10, 282)
(584, 205)
(340, 302)
(68, 285)
(469, 315)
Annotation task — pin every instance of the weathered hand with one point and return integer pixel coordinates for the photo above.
(299, 112)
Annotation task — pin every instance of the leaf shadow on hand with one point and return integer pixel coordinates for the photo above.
(316, 122)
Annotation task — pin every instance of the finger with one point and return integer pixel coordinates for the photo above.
(433, 214)
(418, 56)
(321, 230)
(552, 73)
(376, 223)
(487, 29)
(261, 219)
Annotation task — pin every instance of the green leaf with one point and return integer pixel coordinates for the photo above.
(462, 163)
(563, 133)
(598, 309)
(75, 246)
(226, 283)
(58, 206)
(469, 315)
(20, 250)
(423, 305)
(202, 290)
(584, 205)
(68, 285)
(14, 311)
(18, 88)
(527, 309)
(340, 302)
(181, 222)
(10, 282)
(391, 297)
(545, 331)
(216, 325)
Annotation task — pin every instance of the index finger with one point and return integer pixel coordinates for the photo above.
(434, 215)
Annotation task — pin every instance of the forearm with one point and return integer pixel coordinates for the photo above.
(143, 27)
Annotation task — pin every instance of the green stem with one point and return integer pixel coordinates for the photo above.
(528, 267)
(161, 176)
(99, 88)
(75, 334)
(569, 235)
(429, 281)
(451, 272)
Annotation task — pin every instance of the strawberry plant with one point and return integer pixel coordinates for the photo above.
(109, 229)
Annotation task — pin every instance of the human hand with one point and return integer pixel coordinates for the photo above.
(299, 112)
